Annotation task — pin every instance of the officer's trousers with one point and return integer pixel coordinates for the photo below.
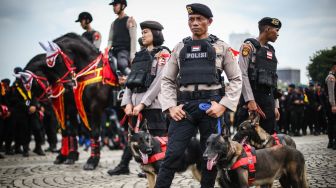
(179, 136)
(266, 102)
(122, 57)
(331, 125)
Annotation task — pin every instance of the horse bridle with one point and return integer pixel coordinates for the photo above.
(71, 70)
(45, 87)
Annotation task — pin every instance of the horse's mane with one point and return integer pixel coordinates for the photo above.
(36, 61)
(77, 37)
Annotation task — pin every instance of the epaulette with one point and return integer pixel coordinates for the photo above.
(212, 38)
(186, 40)
(254, 42)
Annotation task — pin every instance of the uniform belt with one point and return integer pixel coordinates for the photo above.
(139, 90)
(201, 94)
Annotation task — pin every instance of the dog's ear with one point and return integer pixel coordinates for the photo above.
(226, 133)
(255, 119)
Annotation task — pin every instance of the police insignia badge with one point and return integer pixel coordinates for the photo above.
(189, 10)
(275, 21)
(246, 51)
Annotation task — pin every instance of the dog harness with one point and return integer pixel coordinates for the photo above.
(277, 140)
(248, 160)
(158, 156)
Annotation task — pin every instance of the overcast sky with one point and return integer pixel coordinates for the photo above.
(307, 25)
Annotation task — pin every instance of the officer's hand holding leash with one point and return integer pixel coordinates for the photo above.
(252, 105)
(216, 110)
(333, 109)
(137, 109)
(129, 109)
(177, 113)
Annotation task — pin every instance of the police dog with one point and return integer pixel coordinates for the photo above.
(271, 163)
(257, 137)
(144, 146)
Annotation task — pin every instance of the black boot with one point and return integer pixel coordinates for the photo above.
(25, 152)
(38, 150)
(1, 156)
(334, 145)
(73, 151)
(121, 169)
(330, 144)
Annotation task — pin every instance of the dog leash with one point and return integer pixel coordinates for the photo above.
(205, 107)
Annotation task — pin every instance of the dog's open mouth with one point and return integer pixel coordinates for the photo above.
(144, 158)
(211, 162)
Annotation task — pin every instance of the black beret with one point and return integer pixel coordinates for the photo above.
(118, 1)
(274, 22)
(197, 8)
(151, 25)
(291, 85)
(6, 81)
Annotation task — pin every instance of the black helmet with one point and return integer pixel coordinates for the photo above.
(123, 2)
(17, 70)
(84, 16)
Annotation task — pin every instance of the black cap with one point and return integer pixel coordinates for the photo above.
(17, 70)
(311, 83)
(6, 81)
(151, 25)
(274, 22)
(123, 2)
(84, 16)
(197, 8)
(291, 85)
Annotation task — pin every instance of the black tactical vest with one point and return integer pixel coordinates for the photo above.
(140, 76)
(121, 37)
(262, 72)
(89, 35)
(198, 63)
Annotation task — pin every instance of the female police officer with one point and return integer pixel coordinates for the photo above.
(143, 86)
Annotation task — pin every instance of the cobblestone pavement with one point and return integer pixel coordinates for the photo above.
(37, 171)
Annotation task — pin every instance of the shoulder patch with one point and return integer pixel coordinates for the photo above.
(131, 22)
(96, 36)
(246, 50)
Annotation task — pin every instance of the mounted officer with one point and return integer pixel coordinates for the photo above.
(90, 34)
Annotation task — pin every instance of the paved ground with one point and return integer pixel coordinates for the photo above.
(36, 171)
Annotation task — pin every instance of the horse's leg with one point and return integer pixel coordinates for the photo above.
(94, 119)
(64, 151)
(72, 130)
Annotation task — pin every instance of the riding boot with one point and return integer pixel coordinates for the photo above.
(64, 151)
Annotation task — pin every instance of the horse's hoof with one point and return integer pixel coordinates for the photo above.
(69, 162)
(89, 167)
(60, 159)
(91, 163)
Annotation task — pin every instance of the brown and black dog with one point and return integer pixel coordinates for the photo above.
(257, 137)
(271, 164)
(144, 147)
